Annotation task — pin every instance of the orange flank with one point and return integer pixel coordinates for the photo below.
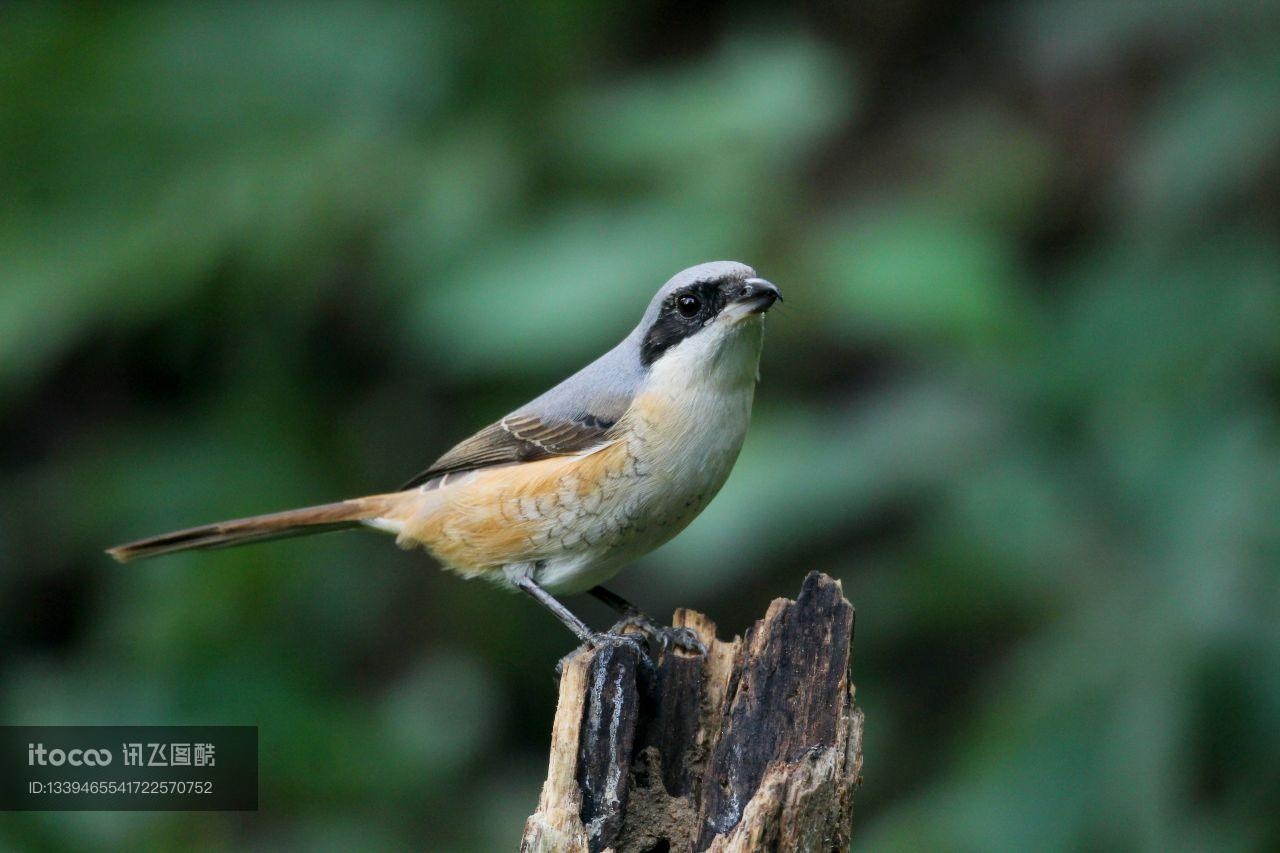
(510, 515)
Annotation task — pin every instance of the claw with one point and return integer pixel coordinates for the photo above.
(610, 638)
(684, 639)
(635, 619)
(645, 666)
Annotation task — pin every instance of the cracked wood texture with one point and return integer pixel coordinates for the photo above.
(756, 746)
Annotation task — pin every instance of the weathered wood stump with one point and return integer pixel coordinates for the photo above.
(756, 746)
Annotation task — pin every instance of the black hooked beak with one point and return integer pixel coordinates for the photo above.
(763, 293)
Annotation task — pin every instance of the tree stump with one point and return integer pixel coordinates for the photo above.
(756, 746)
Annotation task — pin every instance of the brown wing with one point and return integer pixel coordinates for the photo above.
(517, 438)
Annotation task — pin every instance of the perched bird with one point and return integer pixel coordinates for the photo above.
(563, 492)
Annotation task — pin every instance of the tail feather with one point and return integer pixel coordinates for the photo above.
(258, 528)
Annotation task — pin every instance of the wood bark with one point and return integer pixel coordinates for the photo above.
(755, 746)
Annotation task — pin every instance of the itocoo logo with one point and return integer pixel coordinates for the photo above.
(37, 754)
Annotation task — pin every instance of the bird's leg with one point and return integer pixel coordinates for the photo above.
(682, 638)
(620, 605)
(558, 610)
(585, 635)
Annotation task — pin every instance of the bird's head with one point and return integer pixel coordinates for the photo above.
(702, 311)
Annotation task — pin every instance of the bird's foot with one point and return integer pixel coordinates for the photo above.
(666, 636)
(637, 640)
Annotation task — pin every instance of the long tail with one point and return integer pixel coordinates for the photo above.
(258, 528)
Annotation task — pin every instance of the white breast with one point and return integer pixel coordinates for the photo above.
(691, 415)
(685, 429)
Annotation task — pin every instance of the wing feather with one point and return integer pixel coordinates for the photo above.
(519, 437)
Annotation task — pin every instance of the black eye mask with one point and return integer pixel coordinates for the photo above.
(680, 318)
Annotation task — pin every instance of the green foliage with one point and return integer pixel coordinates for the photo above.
(1021, 398)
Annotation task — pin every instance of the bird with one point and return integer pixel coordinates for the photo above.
(559, 495)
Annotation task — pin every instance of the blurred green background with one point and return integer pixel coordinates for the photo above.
(1022, 398)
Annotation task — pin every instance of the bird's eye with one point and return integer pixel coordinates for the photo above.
(688, 306)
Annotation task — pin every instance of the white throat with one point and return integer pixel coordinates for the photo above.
(703, 389)
(722, 358)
